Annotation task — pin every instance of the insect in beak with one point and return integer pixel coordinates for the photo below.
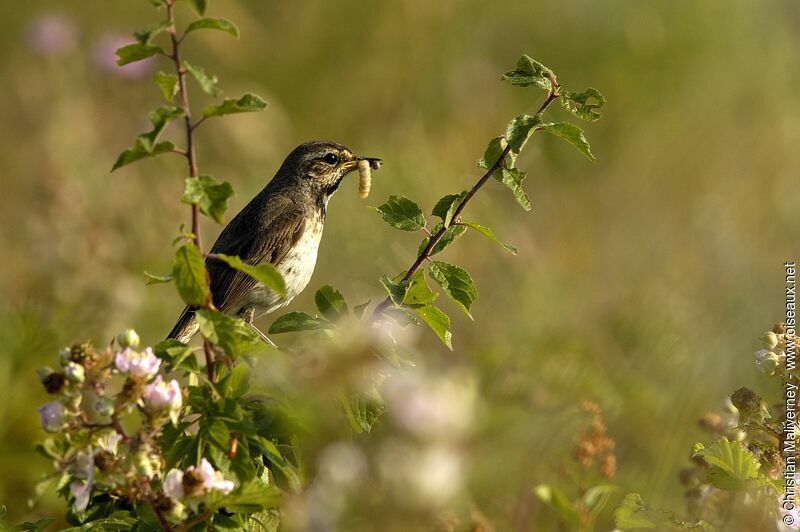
(365, 167)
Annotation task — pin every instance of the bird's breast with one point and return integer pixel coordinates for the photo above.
(296, 268)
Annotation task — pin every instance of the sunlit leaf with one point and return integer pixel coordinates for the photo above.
(298, 321)
(191, 277)
(330, 303)
(733, 467)
(230, 333)
(519, 131)
(136, 52)
(583, 104)
(199, 6)
(208, 23)
(512, 178)
(207, 83)
(146, 35)
(396, 289)
(402, 213)
(168, 83)
(209, 195)
(455, 282)
(247, 103)
(530, 72)
(264, 273)
(494, 150)
(489, 234)
(572, 134)
(438, 321)
(446, 207)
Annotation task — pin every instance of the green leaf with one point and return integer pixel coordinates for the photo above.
(245, 104)
(173, 351)
(168, 83)
(456, 283)
(236, 383)
(207, 83)
(139, 151)
(634, 514)
(530, 72)
(298, 321)
(520, 129)
(199, 6)
(146, 35)
(217, 432)
(512, 178)
(583, 104)
(191, 277)
(572, 134)
(155, 279)
(145, 145)
(450, 235)
(437, 321)
(733, 467)
(418, 293)
(493, 152)
(264, 273)
(331, 303)
(402, 213)
(214, 24)
(396, 290)
(363, 410)
(489, 234)
(209, 195)
(597, 497)
(230, 333)
(446, 207)
(136, 52)
(252, 497)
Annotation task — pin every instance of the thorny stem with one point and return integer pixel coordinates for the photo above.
(437, 236)
(189, 153)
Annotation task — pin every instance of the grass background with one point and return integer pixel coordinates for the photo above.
(642, 282)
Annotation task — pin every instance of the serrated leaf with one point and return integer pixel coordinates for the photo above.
(209, 23)
(232, 334)
(520, 129)
(155, 279)
(132, 53)
(489, 234)
(494, 150)
(418, 293)
(217, 432)
(173, 351)
(450, 235)
(191, 277)
(584, 104)
(572, 134)
(331, 303)
(247, 103)
(456, 283)
(530, 72)
(251, 497)
(298, 321)
(146, 35)
(512, 178)
(209, 195)
(733, 467)
(438, 321)
(396, 290)
(446, 207)
(402, 213)
(264, 273)
(140, 152)
(207, 83)
(168, 83)
(199, 6)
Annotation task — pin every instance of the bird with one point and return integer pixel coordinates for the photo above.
(282, 226)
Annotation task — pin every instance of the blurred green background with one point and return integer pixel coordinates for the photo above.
(642, 282)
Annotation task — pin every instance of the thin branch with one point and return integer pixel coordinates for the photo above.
(437, 236)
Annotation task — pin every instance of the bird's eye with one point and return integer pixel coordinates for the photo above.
(331, 158)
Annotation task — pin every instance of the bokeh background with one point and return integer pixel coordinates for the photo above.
(642, 282)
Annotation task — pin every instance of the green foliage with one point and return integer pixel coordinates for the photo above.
(584, 104)
(733, 467)
(634, 514)
(209, 195)
(402, 213)
(298, 321)
(572, 134)
(438, 321)
(330, 303)
(247, 103)
(530, 72)
(265, 273)
(520, 129)
(132, 53)
(232, 334)
(190, 275)
(456, 283)
(168, 83)
(208, 23)
(146, 144)
(199, 6)
(446, 207)
(485, 231)
(207, 83)
(513, 178)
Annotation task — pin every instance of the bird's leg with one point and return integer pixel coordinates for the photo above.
(248, 319)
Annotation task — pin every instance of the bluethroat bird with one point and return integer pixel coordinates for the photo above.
(281, 226)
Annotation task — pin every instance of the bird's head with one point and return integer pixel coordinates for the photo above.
(320, 166)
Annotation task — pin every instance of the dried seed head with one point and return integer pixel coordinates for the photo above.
(364, 178)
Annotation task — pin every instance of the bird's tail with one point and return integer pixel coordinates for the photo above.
(186, 327)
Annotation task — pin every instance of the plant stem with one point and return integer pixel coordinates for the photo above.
(437, 236)
(190, 154)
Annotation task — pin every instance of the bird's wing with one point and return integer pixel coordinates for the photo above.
(268, 237)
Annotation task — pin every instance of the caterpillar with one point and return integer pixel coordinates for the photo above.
(364, 178)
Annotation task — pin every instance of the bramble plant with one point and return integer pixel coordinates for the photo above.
(148, 438)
